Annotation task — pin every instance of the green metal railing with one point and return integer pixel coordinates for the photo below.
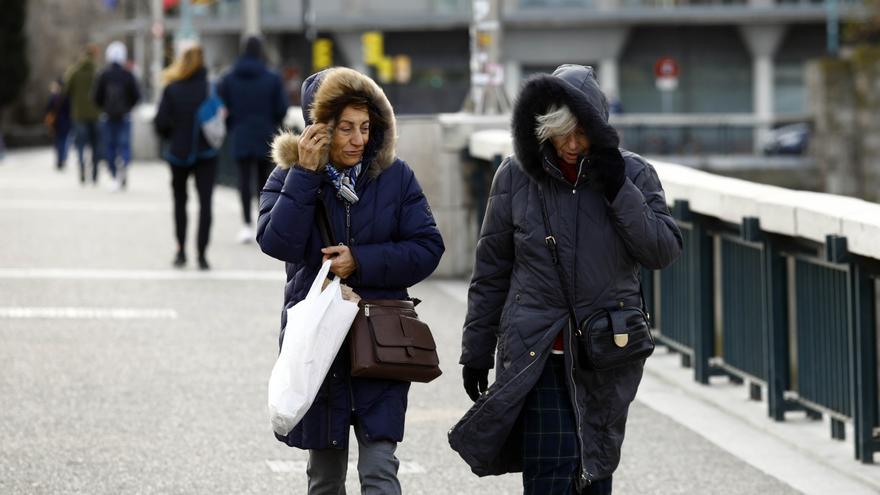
(742, 308)
(791, 316)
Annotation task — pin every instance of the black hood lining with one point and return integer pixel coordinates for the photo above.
(538, 94)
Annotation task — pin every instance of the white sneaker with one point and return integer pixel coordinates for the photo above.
(246, 234)
(115, 184)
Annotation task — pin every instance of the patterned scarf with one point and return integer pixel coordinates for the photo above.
(345, 182)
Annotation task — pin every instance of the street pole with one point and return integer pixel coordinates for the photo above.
(487, 94)
(832, 25)
(157, 30)
(250, 17)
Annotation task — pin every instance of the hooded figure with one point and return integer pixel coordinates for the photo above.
(546, 415)
(256, 102)
(389, 241)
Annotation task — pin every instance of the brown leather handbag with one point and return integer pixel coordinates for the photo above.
(388, 341)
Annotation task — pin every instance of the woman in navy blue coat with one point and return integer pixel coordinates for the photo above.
(388, 242)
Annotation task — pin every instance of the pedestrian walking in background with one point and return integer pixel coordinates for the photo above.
(57, 120)
(345, 160)
(256, 104)
(116, 93)
(79, 85)
(602, 210)
(185, 147)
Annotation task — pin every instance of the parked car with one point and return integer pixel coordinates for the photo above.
(791, 139)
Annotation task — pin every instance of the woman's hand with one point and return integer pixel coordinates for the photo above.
(343, 262)
(313, 146)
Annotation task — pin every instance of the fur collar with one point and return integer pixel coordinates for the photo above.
(541, 91)
(323, 88)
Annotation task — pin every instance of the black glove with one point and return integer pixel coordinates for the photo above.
(609, 167)
(476, 381)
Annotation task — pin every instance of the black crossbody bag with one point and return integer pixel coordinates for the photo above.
(608, 338)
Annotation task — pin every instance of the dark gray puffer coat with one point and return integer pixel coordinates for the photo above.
(516, 303)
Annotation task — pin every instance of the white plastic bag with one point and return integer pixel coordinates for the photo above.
(315, 330)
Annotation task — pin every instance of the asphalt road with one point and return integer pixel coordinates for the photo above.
(121, 375)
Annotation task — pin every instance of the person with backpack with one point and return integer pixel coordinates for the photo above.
(186, 147)
(116, 93)
(78, 86)
(257, 104)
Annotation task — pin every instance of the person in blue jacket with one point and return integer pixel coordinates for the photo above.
(389, 241)
(256, 102)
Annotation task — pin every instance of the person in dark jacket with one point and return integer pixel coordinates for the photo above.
(57, 119)
(186, 149)
(546, 415)
(116, 93)
(79, 82)
(346, 159)
(256, 102)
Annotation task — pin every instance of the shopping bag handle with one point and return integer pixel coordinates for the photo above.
(317, 285)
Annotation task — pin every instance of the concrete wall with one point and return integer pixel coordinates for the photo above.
(844, 102)
(434, 146)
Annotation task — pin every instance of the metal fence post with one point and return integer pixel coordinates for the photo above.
(702, 300)
(777, 329)
(863, 349)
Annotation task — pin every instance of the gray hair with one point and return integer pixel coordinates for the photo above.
(558, 121)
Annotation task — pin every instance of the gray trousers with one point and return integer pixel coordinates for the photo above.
(377, 468)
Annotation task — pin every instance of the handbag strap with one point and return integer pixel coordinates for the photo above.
(550, 242)
(323, 221)
(324, 226)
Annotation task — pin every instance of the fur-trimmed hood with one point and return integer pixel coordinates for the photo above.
(318, 93)
(576, 87)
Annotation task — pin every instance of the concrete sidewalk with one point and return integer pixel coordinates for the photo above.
(119, 374)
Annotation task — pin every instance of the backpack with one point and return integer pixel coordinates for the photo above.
(211, 117)
(115, 99)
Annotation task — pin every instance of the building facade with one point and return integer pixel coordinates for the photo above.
(740, 62)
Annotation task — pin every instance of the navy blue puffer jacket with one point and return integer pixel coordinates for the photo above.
(392, 235)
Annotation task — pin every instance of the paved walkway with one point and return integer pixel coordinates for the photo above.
(119, 374)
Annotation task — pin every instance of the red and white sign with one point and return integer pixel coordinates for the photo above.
(666, 70)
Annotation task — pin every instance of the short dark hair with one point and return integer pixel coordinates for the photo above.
(378, 123)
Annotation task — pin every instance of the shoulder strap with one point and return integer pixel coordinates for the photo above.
(323, 221)
(550, 242)
(324, 226)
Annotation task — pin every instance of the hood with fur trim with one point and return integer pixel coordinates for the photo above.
(319, 92)
(572, 85)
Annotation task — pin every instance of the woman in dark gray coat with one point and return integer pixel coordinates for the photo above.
(546, 415)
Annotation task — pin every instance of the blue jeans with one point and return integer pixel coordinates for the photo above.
(117, 142)
(86, 133)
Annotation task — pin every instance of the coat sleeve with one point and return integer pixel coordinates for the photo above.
(413, 256)
(287, 213)
(491, 279)
(642, 219)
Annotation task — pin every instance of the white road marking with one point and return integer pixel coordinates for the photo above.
(99, 206)
(21, 312)
(277, 466)
(84, 274)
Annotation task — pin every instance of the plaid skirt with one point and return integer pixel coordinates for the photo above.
(550, 446)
